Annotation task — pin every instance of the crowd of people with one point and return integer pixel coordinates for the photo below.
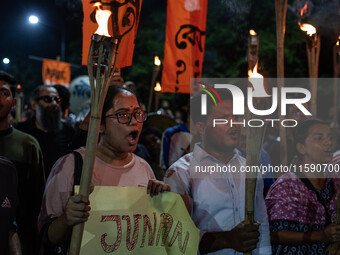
(41, 159)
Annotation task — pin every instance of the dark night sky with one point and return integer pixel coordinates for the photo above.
(21, 39)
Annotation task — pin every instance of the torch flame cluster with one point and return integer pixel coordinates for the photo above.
(102, 17)
(303, 10)
(158, 87)
(308, 28)
(256, 79)
(157, 61)
(252, 32)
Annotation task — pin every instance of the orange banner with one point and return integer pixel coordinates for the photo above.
(184, 44)
(122, 24)
(56, 72)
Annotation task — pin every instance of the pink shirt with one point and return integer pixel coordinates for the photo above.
(60, 181)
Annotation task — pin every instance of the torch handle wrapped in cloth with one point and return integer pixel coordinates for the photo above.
(101, 62)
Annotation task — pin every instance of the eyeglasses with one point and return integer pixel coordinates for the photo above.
(125, 117)
(49, 99)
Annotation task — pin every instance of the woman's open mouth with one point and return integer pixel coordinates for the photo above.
(132, 137)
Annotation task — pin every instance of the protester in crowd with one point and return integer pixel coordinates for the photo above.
(293, 112)
(115, 165)
(175, 142)
(301, 204)
(336, 146)
(151, 139)
(217, 203)
(53, 134)
(9, 239)
(65, 96)
(165, 109)
(24, 151)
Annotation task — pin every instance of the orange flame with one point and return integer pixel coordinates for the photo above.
(256, 81)
(337, 43)
(158, 87)
(308, 28)
(252, 32)
(303, 10)
(18, 86)
(102, 17)
(157, 62)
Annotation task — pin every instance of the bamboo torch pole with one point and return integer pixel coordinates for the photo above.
(254, 140)
(281, 13)
(313, 45)
(336, 66)
(253, 49)
(335, 247)
(19, 105)
(156, 69)
(101, 65)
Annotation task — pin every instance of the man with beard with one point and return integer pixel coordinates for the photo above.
(216, 199)
(47, 126)
(24, 151)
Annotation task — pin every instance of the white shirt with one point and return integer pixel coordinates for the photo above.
(218, 204)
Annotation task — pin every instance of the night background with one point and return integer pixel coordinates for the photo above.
(228, 23)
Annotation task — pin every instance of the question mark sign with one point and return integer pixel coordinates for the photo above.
(180, 63)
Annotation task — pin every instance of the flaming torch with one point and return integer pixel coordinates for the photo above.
(158, 91)
(101, 66)
(20, 100)
(253, 49)
(313, 44)
(156, 69)
(254, 140)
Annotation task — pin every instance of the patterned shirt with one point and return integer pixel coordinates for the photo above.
(292, 206)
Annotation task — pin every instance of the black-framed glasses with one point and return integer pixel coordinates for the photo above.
(125, 117)
(49, 99)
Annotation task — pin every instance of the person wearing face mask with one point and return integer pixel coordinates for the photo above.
(301, 204)
(53, 134)
(115, 165)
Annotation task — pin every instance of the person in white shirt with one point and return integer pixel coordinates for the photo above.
(216, 201)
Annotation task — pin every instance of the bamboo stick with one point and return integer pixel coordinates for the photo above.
(254, 140)
(313, 45)
(281, 13)
(334, 247)
(98, 93)
(336, 65)
(156, 70)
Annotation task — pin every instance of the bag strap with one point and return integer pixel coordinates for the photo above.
(310, 186)
(78, 166)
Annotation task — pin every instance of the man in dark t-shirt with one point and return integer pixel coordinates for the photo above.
(53, 134)
(8, 205)
(24, 151)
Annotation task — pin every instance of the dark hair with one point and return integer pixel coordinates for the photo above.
(112, 92)
(36, 92)
(195, 103)
(10, 80)
(64, 95)
(147, 131)
(301, 131)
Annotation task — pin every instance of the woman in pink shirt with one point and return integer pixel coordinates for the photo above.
(115, 165)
